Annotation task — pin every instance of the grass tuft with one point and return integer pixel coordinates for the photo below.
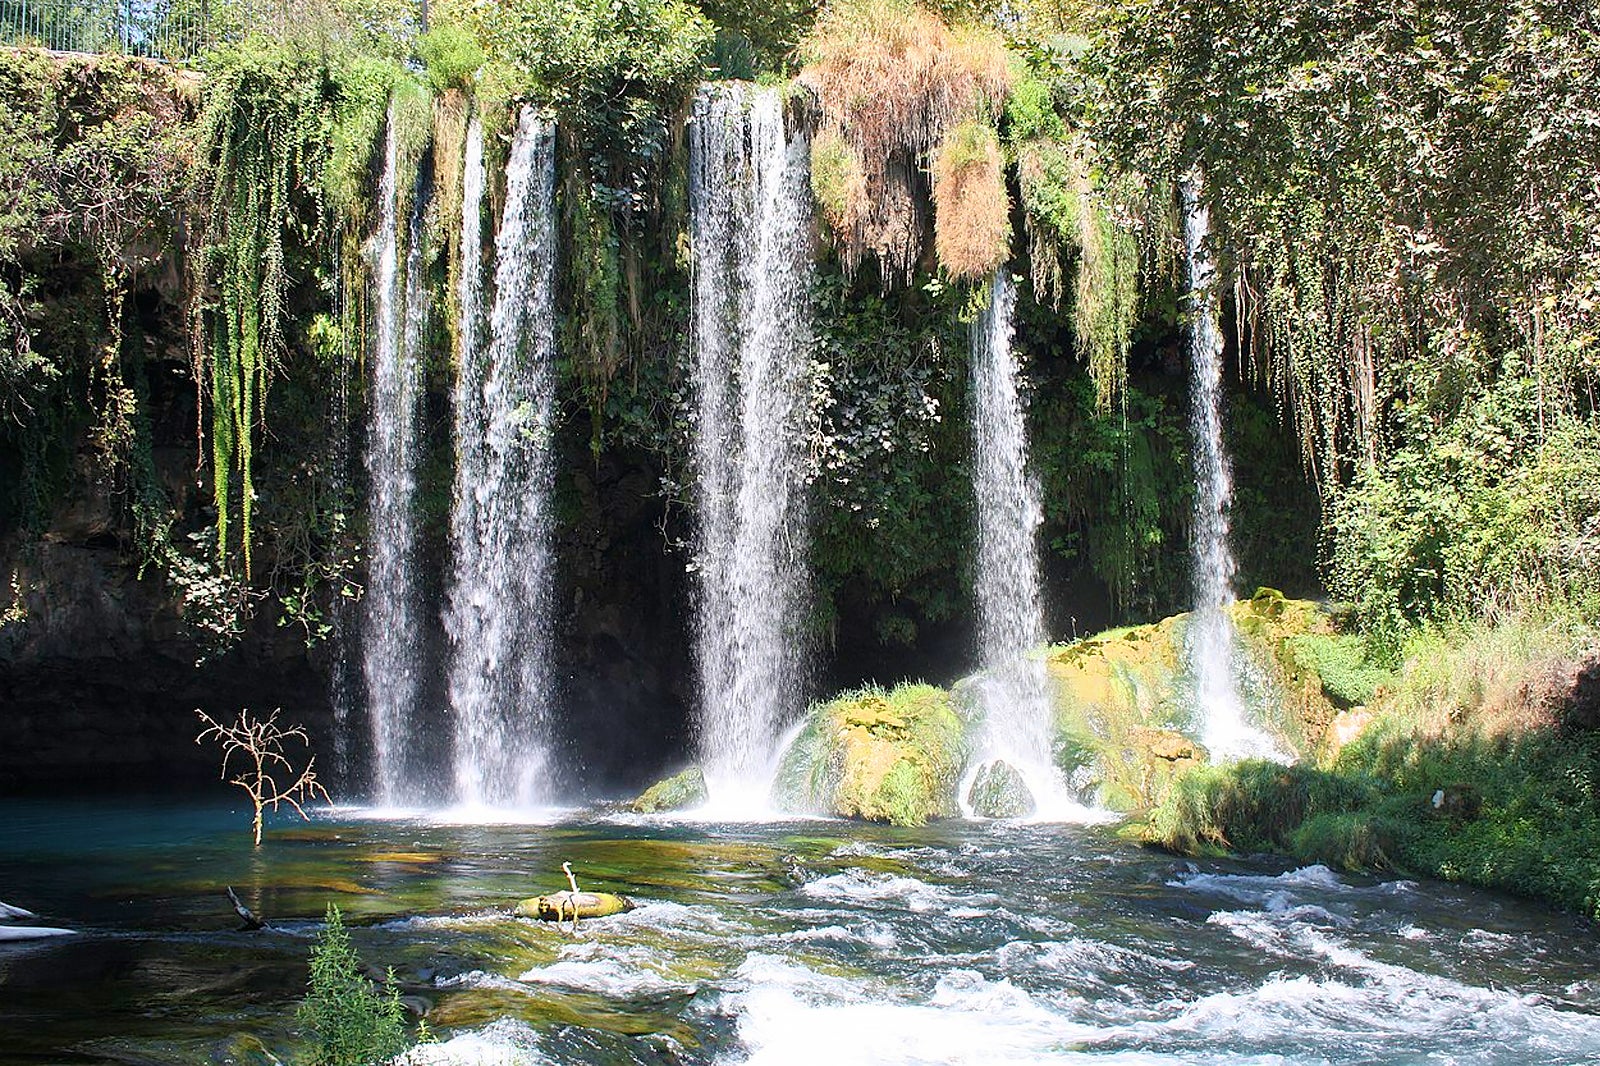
(892, 78)
(972, 214)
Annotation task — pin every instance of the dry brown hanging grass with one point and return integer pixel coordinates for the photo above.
(892, 80)
(972, 217)
(451, 113)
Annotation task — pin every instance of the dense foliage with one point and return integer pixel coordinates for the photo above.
(91, 171)
(1404, 203)
(1406, 200)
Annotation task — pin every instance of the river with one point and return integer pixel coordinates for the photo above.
(816, 942)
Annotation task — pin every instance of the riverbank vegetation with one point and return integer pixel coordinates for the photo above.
(1475, 760)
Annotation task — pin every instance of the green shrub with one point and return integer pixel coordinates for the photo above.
(452, 56)
(1349, 841)
(1340, 661)
(1253, 806)
(351, 1023)
(1493, 510)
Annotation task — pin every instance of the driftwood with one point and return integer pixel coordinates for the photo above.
(246, 915)
(573, 904)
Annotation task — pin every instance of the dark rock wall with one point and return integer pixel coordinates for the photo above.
(99, 684)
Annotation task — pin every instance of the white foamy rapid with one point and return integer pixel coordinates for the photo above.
(499, 620)
(750, 228)
(1225, 728)
(391, 615)
(501, 1043)
(1013, 690)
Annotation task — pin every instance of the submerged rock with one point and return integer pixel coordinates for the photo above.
(879, 756)
(31, 932)
(998, 791)
(679, 792)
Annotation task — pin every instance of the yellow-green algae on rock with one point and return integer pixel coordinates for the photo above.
(879, 756)
(1122, 716)
(681, 791)
(1121, 707)
(560, 906)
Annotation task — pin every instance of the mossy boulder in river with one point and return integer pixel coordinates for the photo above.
(1122, 703)
(1122, 732)
(998, 791)
(679, 792)
(880, 756)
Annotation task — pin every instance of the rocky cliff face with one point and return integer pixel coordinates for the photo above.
(99, 682)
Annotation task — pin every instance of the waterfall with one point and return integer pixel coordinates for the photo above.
(499, 612)
(1211, 644)
(391, 617)
(1013, 691)
(343, 612)
(750, 227)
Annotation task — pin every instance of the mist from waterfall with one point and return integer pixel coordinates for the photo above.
(1013, 691)
(391, 605)
(750, 228)
(499, 611)
(1211, 644)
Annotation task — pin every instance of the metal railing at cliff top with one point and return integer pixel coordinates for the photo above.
(155, 29)
(174, 29)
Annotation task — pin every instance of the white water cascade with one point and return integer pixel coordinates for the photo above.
(750, 227)
(1211, 646)
(1013, 690)
(391, 615)
(498, 616)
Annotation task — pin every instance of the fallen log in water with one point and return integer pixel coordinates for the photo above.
(246, 915)
(573, 904)
(564, 906)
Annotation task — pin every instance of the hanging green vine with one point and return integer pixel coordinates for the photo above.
(1071, 210)
(264, 136)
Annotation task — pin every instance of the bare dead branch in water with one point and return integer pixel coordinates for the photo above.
(259, 742)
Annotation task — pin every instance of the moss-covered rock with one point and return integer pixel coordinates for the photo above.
(1121, 697)
(1122, 722)
(998, 791)
(679, 792)
(880, 756)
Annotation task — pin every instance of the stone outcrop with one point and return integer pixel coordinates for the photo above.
(879, 756)
(682, 791)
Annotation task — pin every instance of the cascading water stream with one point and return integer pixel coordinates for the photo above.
(1224, 727)
(392, 611)
(750, 227)
(1013, 691)
(500, 600)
